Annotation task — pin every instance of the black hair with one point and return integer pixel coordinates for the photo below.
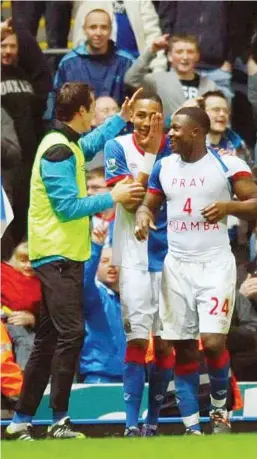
(149, 96)
(198, 115)
(69, 99)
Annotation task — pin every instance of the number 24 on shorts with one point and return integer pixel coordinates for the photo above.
(217, 308)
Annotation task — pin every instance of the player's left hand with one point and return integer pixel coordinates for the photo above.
(127, 105)
(143, 223)
(215, 211)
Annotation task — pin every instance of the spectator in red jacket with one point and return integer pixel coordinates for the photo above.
(20, 298)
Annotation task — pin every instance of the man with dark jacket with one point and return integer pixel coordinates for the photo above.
(242, 337)
(97, 62)
(10, 161)
(24, 103)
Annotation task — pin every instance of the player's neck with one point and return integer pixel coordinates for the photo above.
(198, 152)
(77, 126)
(214, 138)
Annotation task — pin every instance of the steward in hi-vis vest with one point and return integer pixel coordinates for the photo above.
(58, 239)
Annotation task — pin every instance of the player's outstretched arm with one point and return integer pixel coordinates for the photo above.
(246, 208)
(145, 215)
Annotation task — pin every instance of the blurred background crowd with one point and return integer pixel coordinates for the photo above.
(187, 52)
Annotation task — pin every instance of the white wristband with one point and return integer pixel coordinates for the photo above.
(149, 160)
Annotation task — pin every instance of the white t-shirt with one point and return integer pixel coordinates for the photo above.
(189, 188)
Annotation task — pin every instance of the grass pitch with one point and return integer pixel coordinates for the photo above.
(233, 446)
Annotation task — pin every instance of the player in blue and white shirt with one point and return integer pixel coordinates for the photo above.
(199, 274)
(140, 264)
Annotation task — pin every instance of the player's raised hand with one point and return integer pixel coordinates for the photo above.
(99, 233)
(215, 212)
(159, 43)
(152, 142)
(127, 192)
(127, 105)
(144, 221)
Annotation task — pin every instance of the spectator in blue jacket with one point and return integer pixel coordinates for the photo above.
(102, 356)
(96, 62)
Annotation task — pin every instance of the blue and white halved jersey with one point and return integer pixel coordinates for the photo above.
(124, 158)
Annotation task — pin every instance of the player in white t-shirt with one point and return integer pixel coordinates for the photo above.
(199, 275)
(140, 264)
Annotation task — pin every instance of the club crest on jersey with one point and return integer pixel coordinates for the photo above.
(111, 165)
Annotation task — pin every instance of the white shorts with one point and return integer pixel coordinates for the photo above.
(139, 296)
(197, 297)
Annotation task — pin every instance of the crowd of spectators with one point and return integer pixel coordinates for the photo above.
(204, 55)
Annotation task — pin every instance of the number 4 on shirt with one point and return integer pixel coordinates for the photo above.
(187, 206)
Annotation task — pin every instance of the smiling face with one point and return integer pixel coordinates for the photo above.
(97, 29)
(9, 50)
(217, 109)
(20, 260)
(182, 134)
(107, 273)
(183, 56)
(142, 113)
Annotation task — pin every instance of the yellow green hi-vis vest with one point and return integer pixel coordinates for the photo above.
(47, 235)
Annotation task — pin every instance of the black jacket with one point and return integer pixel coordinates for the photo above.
(19, 101)
(32, 60)
(242, 339)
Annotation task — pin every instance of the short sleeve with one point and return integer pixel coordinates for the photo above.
(154, 184)
(237, 167)
(115, 163)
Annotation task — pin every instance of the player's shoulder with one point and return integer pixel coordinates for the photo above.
(124, 140)
(120, 140)
(235, 164)
(169, 159)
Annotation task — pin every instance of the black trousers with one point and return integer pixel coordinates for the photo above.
(59, 338)
(27, 14)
